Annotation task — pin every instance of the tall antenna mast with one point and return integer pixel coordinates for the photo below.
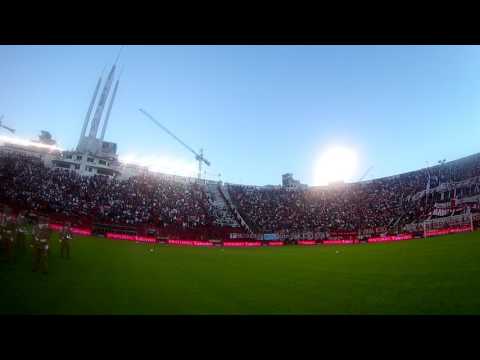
(103, 99)
(101, 104)
(118, 56)
(112, 99)
(105, 123)
(89, 112)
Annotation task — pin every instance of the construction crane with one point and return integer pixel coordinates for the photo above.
(365, 173)
(6, 127)
(198, 156)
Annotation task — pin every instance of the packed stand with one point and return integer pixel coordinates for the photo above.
(381, 203)
(26, 183)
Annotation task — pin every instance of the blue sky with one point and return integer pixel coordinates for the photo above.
(258, 111)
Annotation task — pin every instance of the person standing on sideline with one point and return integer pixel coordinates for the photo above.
(3, 246)
(9, 239)
(65, 238)
(5, 233)
(21, 230)
(41, 246)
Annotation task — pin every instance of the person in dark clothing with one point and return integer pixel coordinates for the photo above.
(65, 238)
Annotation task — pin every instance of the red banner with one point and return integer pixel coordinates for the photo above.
(448, 231)
(307, 242)
(335, 242)
(242, 244)
(189, 243)
(390, 238)
(115, 236)
(55, 227)
(74, 230)
(82, 231)
(275, 243)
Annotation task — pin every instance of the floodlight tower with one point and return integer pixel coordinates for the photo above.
(198, 156)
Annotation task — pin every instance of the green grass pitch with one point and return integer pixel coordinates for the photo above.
(426, 276)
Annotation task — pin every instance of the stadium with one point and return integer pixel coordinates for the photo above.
(145, 242)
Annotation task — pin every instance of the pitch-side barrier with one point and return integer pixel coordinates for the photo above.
(150, 239)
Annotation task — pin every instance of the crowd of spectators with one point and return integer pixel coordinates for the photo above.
(26, 183)
(381, 203)
(348, 208)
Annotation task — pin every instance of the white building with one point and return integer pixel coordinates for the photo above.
(93, 155)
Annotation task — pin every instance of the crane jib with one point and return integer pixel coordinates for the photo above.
(6, 127)
(198, 157)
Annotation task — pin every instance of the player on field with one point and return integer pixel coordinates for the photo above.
(41, 246)
(65, 238)
(2, 232)
(21, 231)
(5, 231)
(9, 238)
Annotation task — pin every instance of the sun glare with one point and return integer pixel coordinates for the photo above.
(335, 164)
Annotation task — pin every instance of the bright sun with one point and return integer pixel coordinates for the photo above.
(335, 164)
